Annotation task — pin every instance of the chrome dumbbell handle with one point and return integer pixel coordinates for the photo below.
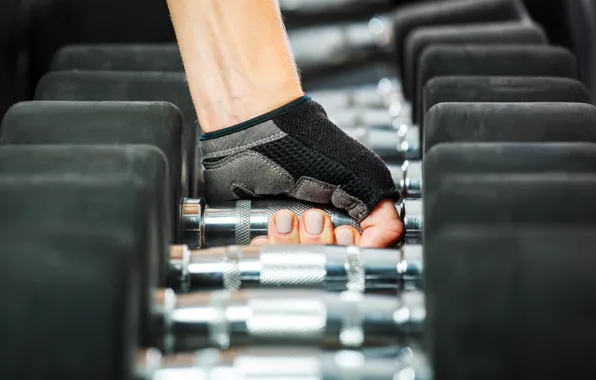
(238, 222)
(279, 363)
(409, 142)
(375, 95)
(292, 317)
(330, 268)
(340, 44)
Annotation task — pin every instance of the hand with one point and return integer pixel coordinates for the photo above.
(381, 228)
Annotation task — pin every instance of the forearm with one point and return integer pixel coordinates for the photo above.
(236, 57)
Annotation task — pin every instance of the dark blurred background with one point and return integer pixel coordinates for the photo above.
(32, 30)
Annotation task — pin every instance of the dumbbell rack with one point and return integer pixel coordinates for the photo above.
(475, 115)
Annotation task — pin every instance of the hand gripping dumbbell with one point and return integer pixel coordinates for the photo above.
(238, 222)
(328, 268)
(278, 363)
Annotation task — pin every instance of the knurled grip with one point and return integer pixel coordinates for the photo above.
(302, 268)
(243, 225)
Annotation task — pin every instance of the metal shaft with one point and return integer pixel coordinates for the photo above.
(379, 95)
(293, 317)
(341, 44)
(238, 222)
(282, 363)
(329, 268)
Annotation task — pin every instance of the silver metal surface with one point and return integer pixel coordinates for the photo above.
(242, 229)
(411, 184)
(330, 268)
(277, 363)
(193, 222)
(408, 178)
(221, 222)
(218, 225)
(179, 262)
(409, 141)
(337, 44)
(222, 319)
(165, 302)
(386, 94)
(411, 213)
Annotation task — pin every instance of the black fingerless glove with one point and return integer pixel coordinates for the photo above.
(295, 151)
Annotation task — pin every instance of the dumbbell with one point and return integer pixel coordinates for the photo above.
(144, 87)
(328, 268)
(117, 205)
(464, 89)
(486, 34)
(469, 89)
(279, 363)
(493, 60)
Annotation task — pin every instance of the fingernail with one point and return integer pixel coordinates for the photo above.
(314, 222)
(345, 236)
(284, 222)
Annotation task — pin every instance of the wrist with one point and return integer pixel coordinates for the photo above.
(232, 108)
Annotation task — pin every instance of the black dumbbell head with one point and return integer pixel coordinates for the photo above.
(491, 60)
(157, 124)
(128, 86)
(512, 32)
(448, 159)
(57, 23)
(108, 232)
(120, 57)
(509, 122)
(502, 199)
(511, 302)
(502, 89)
(410, 17)
(71, 303)
(141, 161)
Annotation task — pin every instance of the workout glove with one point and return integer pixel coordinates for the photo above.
(295, 151)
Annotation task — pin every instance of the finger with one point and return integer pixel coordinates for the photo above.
(316, 228)
(347, 235)
(283, 228)
(382, 227)
(261, 240)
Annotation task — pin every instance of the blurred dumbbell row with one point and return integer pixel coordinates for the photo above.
(100, 191)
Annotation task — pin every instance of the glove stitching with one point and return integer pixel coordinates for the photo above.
(230, 159)
(265, 140)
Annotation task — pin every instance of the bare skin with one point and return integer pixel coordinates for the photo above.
(239, 65)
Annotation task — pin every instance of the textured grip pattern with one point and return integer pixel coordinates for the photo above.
(242, 231)
(294, 269)
(287, 317)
